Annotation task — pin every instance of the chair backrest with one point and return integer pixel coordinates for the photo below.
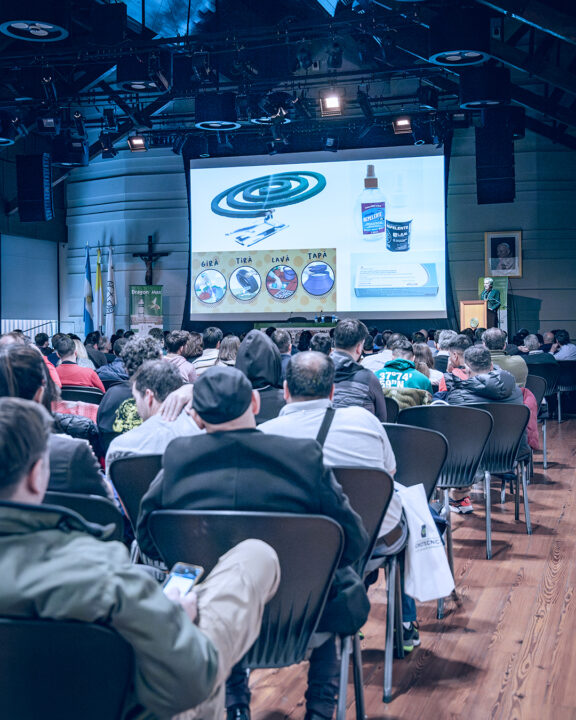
(392, 409)
(537, 385)
(502, 447)
(465, 428)
(548, 371)
(420, 455)
(308, 547)
(93, 508)
(78, 392)
(566, 375)
(110, 383)
(68, 670)
(369, 492)
(131, 476)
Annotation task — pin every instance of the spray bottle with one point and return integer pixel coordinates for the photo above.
(398, 220)
(371, 209)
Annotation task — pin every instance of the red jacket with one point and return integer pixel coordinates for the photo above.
(72, 374)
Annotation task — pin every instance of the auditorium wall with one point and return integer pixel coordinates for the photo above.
(123, 200)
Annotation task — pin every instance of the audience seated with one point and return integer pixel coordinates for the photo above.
(73, 465)
(444, 338)
(177, 345)
(211, 339)
(355, 384)
(563, 348)
(534, 353)
(55, 566)
(96, 355)
(424, 361)
(259, 359)
(234, 466)
(457, 346)
(401, 381)
(42, 342)
(115, 371)
(151, 384)
(548, 340)
(378, 360)
(81, 355)
(495, 340)
(68, 370)
(321, 342)
(283, 341)
(228, 350)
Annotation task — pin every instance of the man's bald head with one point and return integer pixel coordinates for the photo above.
(310, 376)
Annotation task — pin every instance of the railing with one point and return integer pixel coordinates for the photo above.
(30, 327)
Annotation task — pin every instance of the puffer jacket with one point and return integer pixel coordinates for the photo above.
(357, 386)
(113, 372)
(496, 386)
(53, 565)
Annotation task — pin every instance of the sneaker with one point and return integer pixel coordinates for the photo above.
(463, 506)
(411, 637)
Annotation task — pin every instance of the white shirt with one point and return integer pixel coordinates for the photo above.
(150, 438)
(206, 360)
(356, 438)
(376, 362)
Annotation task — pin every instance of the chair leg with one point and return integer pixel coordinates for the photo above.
(343, 687)
(398, 629)
(390, 612)
(517, 495)
(526, 505)
(503, 492)
(358, 678)
(544, 453)
(449, 550)
(559, 407)
(487, 479)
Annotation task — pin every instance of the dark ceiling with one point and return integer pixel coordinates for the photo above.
(279, 58)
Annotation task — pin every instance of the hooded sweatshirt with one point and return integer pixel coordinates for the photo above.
(259, 359)
(401, 373)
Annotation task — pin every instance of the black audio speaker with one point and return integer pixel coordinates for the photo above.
(34, 174)
(495, 178)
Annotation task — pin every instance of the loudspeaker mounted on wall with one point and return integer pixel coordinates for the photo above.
(495, 176)
(34, 175)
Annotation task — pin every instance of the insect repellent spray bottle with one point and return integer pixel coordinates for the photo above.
(371, 208)
(398, 220)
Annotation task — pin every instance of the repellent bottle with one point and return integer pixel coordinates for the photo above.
(371, 209)
(398, 220)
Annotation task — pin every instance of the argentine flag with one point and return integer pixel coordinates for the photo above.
(88, 312)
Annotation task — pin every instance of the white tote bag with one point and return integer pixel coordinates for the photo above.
(427, 573)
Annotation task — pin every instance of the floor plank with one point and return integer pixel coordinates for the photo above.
(506, 652)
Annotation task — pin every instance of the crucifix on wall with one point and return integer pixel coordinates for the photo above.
(149, 259)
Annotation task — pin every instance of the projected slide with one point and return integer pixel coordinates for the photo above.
(363, 235)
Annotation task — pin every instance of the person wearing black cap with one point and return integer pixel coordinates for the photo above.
(234, 466)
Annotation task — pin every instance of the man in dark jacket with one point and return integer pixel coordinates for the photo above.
(237, 467)
(355, 385)
(115, 371)
(484, 384)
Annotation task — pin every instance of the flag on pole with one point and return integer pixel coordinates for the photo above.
(88, 312)
(110, 297)
(99, 295)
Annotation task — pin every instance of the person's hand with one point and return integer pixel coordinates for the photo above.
(176, 402)
(188, 602)
(555, 347)
(523, 348)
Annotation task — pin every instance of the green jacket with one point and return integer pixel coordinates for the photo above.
(400, 373)
(53, 565)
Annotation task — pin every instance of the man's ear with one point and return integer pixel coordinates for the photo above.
(37, 478)
(149, 397)
(255, 403)
(286, 392)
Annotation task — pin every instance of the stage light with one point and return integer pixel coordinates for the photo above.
(331, 104)
(49, 89)
(364, 103)
(48, 124)
(68, 151)
(427, 97)
(216, 112)
(300, 105)
(108, 149)
(335, 56)
(137, 143)
(35, 21)
(331, 144)
(79, 124)
(110, 120)
(303, 57)
(402, 125)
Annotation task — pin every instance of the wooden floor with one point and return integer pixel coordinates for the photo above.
(510, 650)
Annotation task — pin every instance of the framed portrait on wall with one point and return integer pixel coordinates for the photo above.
(503, 253)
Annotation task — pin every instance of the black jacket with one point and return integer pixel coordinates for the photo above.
(357, 386)
(74, 468)
(248, 470)
(496, 386)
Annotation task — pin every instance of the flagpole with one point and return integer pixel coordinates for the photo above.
(88, 310)
(110, 296)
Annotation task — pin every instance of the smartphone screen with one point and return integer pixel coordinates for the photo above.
(183, 577)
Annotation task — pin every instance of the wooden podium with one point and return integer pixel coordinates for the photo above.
(473, 310)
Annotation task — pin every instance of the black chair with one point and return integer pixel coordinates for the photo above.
(501, 454)
(93, 508)
(467, 431)
(420, 455)
(370, 492)
(308, 547)
(131, 476)
(566, 381)
(548, 371)
(110, 383)
(64, 670)
(392, 409)
(537, 385)
(85, 394)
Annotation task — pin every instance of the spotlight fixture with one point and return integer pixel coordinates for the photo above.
(303, 57)
(110, 120)
(108, 149)
(402, 125)
(331, 104)
(335, 56)
(10, 129)
(79, 124)
(216, 112)
(364, 102)
(300, 105)
(49, 89)
(137, 143)
(48, 124)
(69, 151)
(34, 21)
(427, 97)
(331, 143)
(145, 72)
